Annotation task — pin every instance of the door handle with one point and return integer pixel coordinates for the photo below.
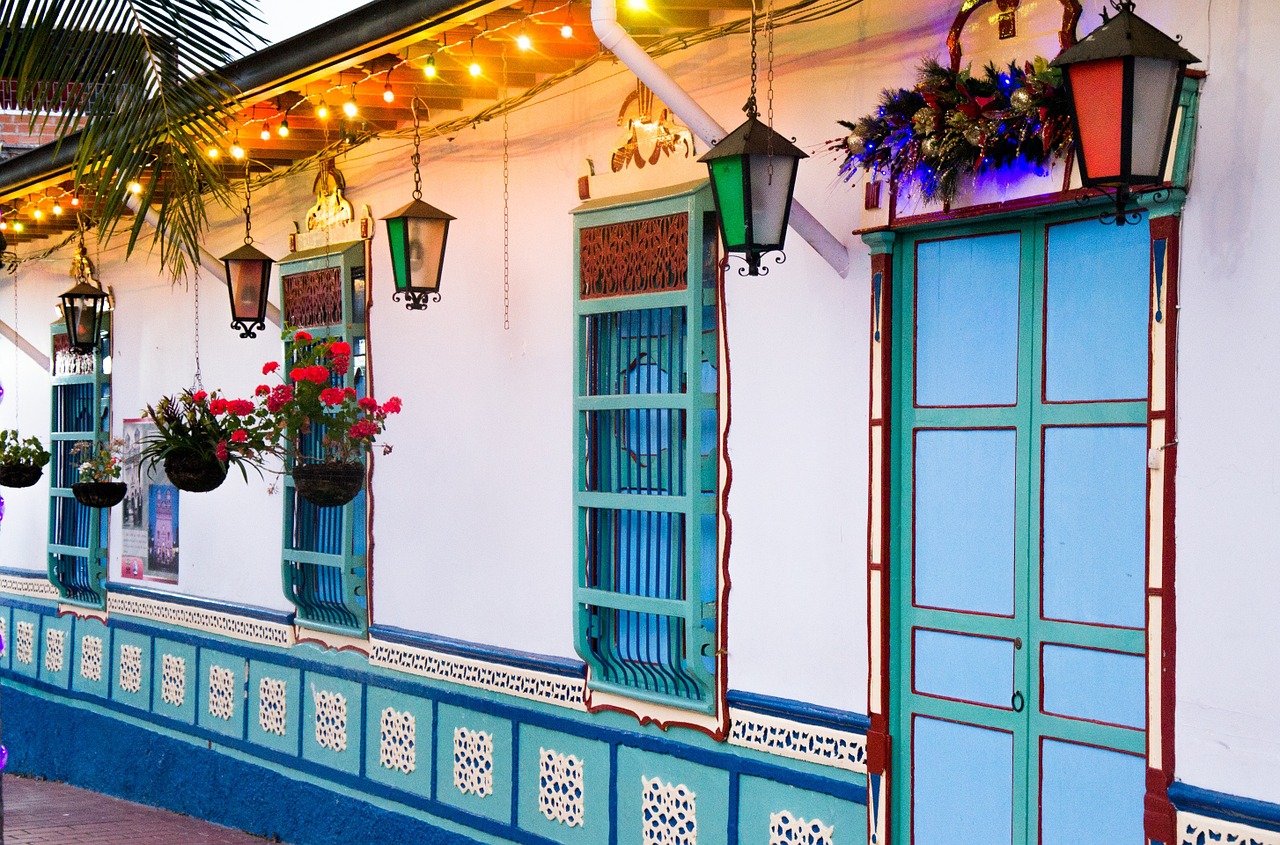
(1017, 702)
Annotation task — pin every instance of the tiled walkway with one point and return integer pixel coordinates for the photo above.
(45, 813)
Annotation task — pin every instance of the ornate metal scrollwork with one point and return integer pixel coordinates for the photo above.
(415, 300)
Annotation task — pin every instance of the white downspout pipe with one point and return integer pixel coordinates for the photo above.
(604, 19)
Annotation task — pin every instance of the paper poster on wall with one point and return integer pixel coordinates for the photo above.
(149, 535)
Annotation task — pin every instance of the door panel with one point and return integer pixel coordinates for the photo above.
(1019, 550)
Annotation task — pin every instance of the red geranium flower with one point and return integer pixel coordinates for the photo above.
(199, 396)
(392, 405)
(332, 396)
(363, 428)
(261, 390)
(350, 391)
(239, 436)
(341, 363)
(368, 403)
(221, 450)
(297, 374)
(270, 367)
(240, 407)
(302, 337)
(339, 347)
(218, 406)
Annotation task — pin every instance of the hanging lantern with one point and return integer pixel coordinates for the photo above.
(248, 278)
(1124, 81)
(753, 176)
(416, 235)
(82, 308)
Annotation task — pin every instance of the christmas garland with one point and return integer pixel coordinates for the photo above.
(953, 125)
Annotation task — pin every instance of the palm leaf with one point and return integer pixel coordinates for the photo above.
(137, 79)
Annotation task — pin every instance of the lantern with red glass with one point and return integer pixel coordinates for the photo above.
(248, 278)
(1124, 81)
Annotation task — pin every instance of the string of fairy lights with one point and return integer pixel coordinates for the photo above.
(58, 201)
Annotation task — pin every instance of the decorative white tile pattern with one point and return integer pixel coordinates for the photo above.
(222, 692)
(788, 829)
(173, 679)
(26, 639)
(1194, 829)
(203, 619)
(272, 706)
(130, 668)
(54, 651)
(560, 787)
(331, 719)
(509, 680)
(473, 762)
(786, 738)
(398, 750)
(37, 587)
(669, 814)
(91, 657)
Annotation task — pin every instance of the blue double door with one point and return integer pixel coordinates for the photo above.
(1019, 535)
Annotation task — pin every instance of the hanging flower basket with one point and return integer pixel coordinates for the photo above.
(329, 484)
(20, 475)
(99, 494)
(194, 472)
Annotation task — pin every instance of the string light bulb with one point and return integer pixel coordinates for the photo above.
(523, 41)
(387, 94)
(4, 227)
(265, 134)
(135, 187)
(38, 214)
(18, 227)
(57, 209)
(75, 202)
(637, 5)
(430, 70)
(237, 151)
(213, 152)
(322, 110)
(474, 67)
(566, 31)
(349, 108)
(283, 129)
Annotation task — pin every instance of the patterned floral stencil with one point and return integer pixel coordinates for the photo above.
(399, 739)
(787, 829)
(131, 668)
(560, 787)
(91, 658)
(473, 762)
(222, 692)
(173, 679)
(26, 639)
(53, 649)
(331, 719)
(668, 813)
(272, 706)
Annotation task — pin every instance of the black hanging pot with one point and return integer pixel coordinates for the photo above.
(19, 475)
(99, 494)
(329, 484)
(191, 471)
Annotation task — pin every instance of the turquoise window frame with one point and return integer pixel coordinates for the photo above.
(627, 654)
(77, 564)
(328, 587)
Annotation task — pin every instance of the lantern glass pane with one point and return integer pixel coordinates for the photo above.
(80, 320)
(770, 192)
(426, 251)
(1097, 89)
(246, 288)
(397, 239)
(727, 181)
(1154, 81)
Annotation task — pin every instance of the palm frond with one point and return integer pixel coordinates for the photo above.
(135, 83)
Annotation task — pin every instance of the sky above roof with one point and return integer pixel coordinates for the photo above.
(285, 18)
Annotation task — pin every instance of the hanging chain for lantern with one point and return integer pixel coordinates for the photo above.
(768, 31)
(750, 107)
(506, 208)
(195, 284)
(416, 158)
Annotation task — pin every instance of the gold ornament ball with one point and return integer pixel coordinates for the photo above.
(855, 144)
(929, 146)
(1021, 99)
(974, 135)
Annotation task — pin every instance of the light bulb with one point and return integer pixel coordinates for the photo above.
(135, 187)
(566, 31)
(4, 227)
(283, 129)
(387, 94)
(57, 208)
(75, 201)
(213, 152)
(18, 227)
(265, 134)
(38, 214)
(350, 109)
(523, 42)
(237, 151)
(475, 69)
(430, 69)
(322, 111)
(637, 5)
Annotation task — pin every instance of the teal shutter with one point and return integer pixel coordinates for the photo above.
(646, 447)
(81, 411)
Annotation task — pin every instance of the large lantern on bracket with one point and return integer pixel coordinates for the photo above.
(82, 308)
(248, 277)
(1124, 80)
(753, 176)
(417, 235)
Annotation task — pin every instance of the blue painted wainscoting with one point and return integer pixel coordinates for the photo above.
(216, 711)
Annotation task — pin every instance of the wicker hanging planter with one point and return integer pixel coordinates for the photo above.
(194, 472)
(19, 475)
(329, 484)
(99, 494)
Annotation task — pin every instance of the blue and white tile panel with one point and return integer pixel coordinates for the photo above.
(797, 740)
(36, 588)
(1195, 829)
(226, 624)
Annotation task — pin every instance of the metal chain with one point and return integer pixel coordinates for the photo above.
(196, 285)
(248, 221)
(416, 158)
(751, 101)
(506, 208)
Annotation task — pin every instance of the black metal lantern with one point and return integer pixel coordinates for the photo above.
(753, 175)
(248, 278)
(417, 235)
(82, 308)
(1124, 81)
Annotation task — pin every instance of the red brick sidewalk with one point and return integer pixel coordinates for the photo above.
(46, 813)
